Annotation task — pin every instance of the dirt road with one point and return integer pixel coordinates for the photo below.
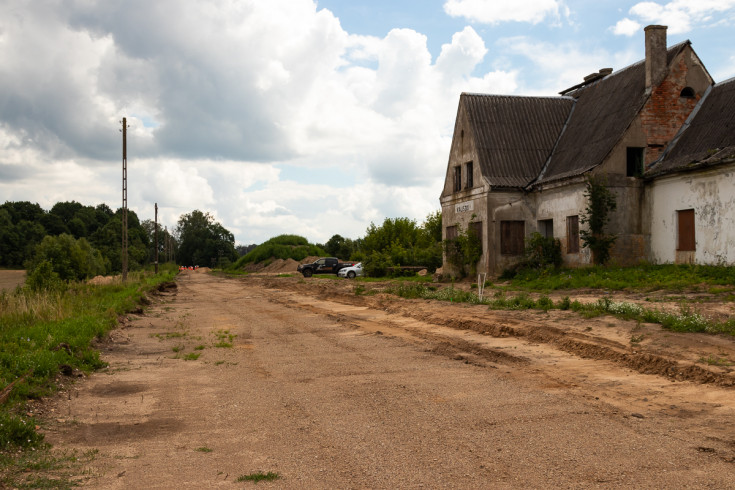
(329, 389)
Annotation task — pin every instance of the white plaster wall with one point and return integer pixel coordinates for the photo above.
(712, 196)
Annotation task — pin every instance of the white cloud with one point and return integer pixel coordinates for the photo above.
(494, 12)
(626, 27)
(681, 15)
(563, 65)
(219, 96)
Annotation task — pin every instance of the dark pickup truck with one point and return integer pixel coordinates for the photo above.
(327, 265)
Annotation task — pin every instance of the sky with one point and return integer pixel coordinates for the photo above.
(307, 117)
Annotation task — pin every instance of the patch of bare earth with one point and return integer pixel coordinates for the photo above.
(331, 389)
(11, 279)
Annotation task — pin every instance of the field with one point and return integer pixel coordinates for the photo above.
(11, 279)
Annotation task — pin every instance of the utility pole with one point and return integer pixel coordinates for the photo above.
(124, 252)
(155, 239)
(167, 244)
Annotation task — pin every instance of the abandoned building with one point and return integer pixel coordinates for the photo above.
(660, 131)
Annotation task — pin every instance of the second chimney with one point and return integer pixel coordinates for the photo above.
(656, 65)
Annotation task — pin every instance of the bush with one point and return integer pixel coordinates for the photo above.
(43, 278)
(69, 259)
(376, 264)
(542, 252)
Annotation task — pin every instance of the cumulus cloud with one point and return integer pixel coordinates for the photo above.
(565, 64)
(220, 96)
(626, 27)
(680, 15)
(494, 12)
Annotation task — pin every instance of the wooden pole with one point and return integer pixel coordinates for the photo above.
(124, 253)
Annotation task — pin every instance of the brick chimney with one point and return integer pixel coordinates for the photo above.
(656, 66)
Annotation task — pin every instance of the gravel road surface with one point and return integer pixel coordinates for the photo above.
(223, 378)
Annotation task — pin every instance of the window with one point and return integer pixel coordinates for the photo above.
(477, 230)
(634, 162)
(468, 168)
(457, 178)
(572, 234)
(685, 241)
(451, 232)
(546, 228)
(687, 92)
(512, 234)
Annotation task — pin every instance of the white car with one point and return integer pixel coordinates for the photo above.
(351, 272)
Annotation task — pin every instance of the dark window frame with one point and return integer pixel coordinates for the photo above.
(451, 232)
(512, 237)
(543, 228)
(634, 161)
(469, 170)
(457, 178)
(687, 93)
(477, 227)
(573, 234)
(686, 233)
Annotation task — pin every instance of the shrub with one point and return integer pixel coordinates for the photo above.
(542, 252)
(68, 258)
(376, 264)
(601, 202)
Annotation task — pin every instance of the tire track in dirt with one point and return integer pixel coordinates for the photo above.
(575, 343)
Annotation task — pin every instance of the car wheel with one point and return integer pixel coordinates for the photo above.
(307, 273)
(351, 275)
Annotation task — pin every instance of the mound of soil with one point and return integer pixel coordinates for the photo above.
(279, 266)
(102, 280)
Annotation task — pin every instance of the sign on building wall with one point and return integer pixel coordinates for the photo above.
(463, 207)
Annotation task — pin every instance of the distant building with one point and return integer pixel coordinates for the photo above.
(661, 132)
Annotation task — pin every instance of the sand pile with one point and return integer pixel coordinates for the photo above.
(102, 280)
(280, 265)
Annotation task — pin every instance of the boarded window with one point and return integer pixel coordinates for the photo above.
(685, 241)
(469, 172)
(572, 234)
(457, 178)
(477, 230)
(634, 167)
(512, 234)
(546, 228)
(451, 232)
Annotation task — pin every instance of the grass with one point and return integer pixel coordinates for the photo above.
(203, 449)
(224, 339)
(41, 331)
(715, 361)
(259, 476)
(683, 321)
(44, 468)
(646, 277)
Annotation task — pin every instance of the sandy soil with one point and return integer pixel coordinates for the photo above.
(11, 279)
(331, 389)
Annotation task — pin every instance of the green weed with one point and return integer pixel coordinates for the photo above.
(715, 361)
(259, 476)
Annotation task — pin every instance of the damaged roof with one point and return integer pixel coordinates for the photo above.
(514, 135)
(707, 138)
(603, 112)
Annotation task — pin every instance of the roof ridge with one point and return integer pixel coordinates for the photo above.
(513, 96)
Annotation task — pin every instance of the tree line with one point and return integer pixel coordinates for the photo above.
(77, 241)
